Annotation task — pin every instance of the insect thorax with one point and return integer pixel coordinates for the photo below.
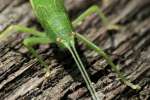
(53, 18)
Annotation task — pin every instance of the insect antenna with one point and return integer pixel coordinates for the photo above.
(82, 69)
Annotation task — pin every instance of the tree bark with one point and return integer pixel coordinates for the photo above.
(22, 77)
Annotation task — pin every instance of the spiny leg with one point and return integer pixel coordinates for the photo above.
(108, 59)
(29, 42)
(97, 10)
(19, 28)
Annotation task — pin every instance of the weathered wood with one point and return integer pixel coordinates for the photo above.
(21, 76)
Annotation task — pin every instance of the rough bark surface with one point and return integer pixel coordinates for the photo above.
(22, 77)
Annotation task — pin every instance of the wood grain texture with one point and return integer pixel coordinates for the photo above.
(21, 76)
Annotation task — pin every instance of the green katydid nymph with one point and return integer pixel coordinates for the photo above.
(58, 29)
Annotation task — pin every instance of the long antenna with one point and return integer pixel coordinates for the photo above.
(84, 74)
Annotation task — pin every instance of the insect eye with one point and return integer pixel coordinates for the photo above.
(58, 39)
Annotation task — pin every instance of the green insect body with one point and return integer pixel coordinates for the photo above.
(58, 29)
(54, 19)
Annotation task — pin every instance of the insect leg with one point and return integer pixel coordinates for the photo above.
(97, 10)
(29, 42)
(19, 28)
(109, 60)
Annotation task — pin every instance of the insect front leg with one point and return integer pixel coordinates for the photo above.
(97, 10)
(39, 38)
(108, 59)
(18, 28)
(31, 41)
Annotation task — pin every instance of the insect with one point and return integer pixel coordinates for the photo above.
(58, 29)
